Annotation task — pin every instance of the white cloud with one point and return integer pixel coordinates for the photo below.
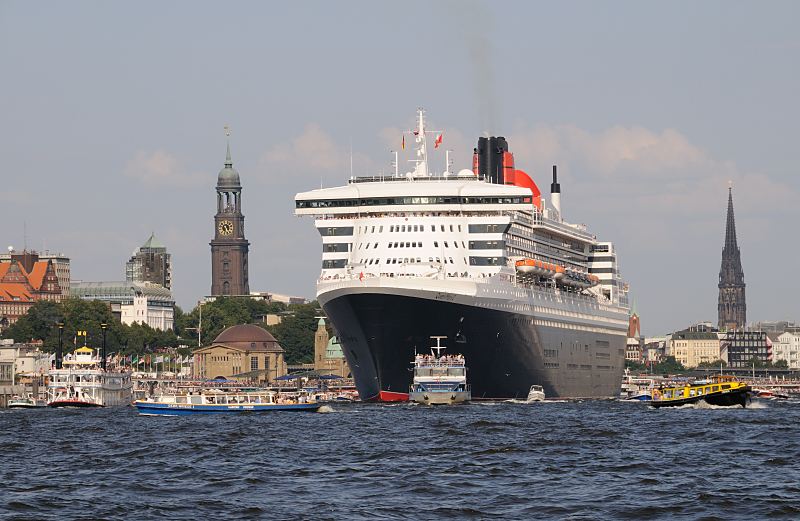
(161, 168)
(312, 156)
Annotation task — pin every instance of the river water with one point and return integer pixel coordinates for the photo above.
(559, 460)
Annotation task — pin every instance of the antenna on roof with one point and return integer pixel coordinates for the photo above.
(24, 236)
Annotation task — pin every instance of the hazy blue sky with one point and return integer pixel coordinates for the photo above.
(112, 127)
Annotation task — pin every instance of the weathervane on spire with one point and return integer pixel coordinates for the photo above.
(227, 131)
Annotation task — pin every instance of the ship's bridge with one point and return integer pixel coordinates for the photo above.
(459, 194)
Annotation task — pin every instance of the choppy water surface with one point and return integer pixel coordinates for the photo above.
(568, 460)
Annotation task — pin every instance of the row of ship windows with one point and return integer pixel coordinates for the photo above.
(409, 260)
(391, 201)
(583, 367)
(553, 353)
(473, 261)
(602, 270)
(414, 228)
(343, 247)
(473, 245)
(342, 231)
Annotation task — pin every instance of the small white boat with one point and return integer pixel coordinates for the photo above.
(26, 402)
(635, 388)
(439, 379)
(535, 394)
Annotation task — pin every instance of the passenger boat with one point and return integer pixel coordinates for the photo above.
(635, 388)
(84, 381)
(215, 401)
(439, 379)
(719, 390)
(26, 402)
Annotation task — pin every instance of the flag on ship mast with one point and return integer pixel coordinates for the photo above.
(403, 143)
(438, 141)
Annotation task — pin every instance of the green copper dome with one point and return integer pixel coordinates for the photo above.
(228, 176)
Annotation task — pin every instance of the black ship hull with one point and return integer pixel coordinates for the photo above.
(505, 351)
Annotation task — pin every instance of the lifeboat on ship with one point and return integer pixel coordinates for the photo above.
(538, 267)
(579, 279)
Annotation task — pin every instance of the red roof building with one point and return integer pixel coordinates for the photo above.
(23, 281)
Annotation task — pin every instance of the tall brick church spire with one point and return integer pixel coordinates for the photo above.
(229, 248)
(732, 309)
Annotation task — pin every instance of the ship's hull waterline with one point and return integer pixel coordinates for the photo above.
(380, 332)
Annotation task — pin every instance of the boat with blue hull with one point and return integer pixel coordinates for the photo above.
(221, 402)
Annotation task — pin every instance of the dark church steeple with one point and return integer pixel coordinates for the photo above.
(229, 248)
(732, 309)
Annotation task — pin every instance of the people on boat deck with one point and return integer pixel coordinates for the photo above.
(445, 360)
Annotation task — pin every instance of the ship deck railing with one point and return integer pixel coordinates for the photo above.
(478, 278)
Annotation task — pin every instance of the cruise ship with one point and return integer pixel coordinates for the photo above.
(478, 255)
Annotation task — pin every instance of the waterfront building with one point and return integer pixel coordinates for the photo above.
(692, 348)
(653, 350)
(745, 347)
(132, 302)
(229, 248)
(328, 355)
(732, 309)
(787, 348)
(150, 262)
(277, 297)
(244, 352)
(24, 280)
(59, 260)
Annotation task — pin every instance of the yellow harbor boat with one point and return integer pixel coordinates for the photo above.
(719, 390)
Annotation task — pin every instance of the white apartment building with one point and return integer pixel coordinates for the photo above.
(787, 348)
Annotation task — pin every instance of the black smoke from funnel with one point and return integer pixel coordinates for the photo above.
(490, 158)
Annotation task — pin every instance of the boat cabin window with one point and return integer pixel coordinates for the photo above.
(726, 386)
(716, 388)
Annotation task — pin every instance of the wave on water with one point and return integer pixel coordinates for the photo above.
(326, 409)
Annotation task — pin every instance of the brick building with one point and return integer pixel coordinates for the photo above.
(24, 280)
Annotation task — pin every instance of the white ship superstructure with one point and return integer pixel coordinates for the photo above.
(478, 252)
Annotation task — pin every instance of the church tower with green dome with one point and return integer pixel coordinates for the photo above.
(229, 248)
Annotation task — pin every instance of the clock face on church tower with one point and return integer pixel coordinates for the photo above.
(225, 228)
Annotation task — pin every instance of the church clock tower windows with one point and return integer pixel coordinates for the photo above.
(229, 248)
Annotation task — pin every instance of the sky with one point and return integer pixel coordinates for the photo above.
(112, 116)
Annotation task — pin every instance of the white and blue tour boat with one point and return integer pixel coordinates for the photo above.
(439, 379)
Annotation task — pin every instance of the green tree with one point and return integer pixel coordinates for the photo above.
(668, 366)
(223, 313)
(295, 333)
(781, 364)
(712, 365)
(635, 366)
